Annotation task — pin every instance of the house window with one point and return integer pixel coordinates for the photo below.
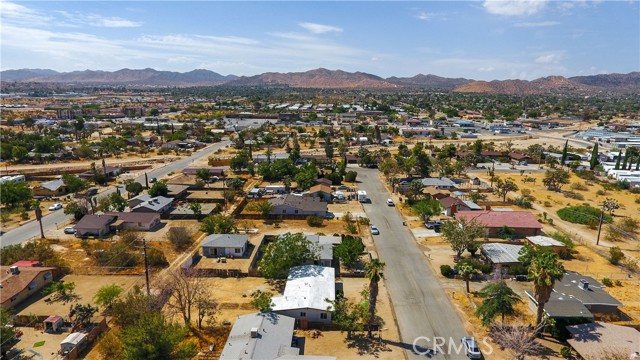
(296, 211)
(303, 314)
(238, 250)
(323, 316)
(13, 298)
(32, 285)
(284, 211)
(47, 276)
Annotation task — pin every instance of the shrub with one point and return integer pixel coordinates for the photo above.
(586, 175)
(573, 195)
(582, 214)
(635, 190)
(618, 283)
(350, 176)
(364, 221)
(601, 193)
(579, 187)
(622, 185)
(518, 269)
(446, 270)
(314, 220)
(637, 200)
(565, 352)
(523, 202)
(179, 237)
(156, 258)
(607, 282)
(547, 204)
(628, 224)
(615, 255)
(352, 228)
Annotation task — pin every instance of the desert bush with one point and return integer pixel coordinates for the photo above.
(156, 258)
(565, 352)
(618, 283)
(635, 190)
(629, 225)
(446, 270)
(352, 228)
(579, 187)
(607, 282)
(573, 195)
(180, 237)
(582, 214)
(314, 220)
(586, 175)
(601, 193)
(523, 202)
(364, 221)
(615, 255)
(547, 204)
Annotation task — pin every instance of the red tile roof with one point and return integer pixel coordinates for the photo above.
(498, 219)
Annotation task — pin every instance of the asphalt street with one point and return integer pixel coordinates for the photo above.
(58, 218)
(422, 308)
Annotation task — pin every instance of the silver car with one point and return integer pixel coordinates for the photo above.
(471, 348)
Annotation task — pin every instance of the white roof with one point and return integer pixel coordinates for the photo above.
(307, 288)
(544, 241)
(274, 337)
(74, 338)
(500, 253)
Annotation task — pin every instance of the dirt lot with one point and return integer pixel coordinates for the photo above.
(240, 263)
(32, 336)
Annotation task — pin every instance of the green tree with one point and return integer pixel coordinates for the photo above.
(347, 315)
(203, 174)
(565, 153)
(285, 252)
(158, 189)
(76, 209)
(554, 179)
(264, 207)
(235, 184)
(466, 272)
(134, 188)
(8, 333)
(545, 270)
(74, 183)
(594, 157)
(19, 153)
(107, 294)
(154, 338)
(427, 208)
(460, 234)
(350, 176)
(349, 250)
(196, 208)
(13, 193)
(373, 272)
(218, 224)
(240, 161)
(262, 300)
(503, 187)
(62, 291)
(615, 255)
(118, 203)
(499, 299)
(617, 167)
(128, 310)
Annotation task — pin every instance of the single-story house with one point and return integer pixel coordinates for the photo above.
(441, 183)
(50, 188)
(72, 341)
(323, 245)
(578, 296)
(501, 256)
(452, 205)
(519, 157)
(20, 283)
(305, 294)
(593, 340)
(262, 336)
(135, 220)
(324, 181)
(297, 205)
(146, 203)
(545, 241)
(177, 191)
(435, 193)
(225, 245)
(320, 191)
(94, 225)
(212, 171)
(523, 223)
(108, 171)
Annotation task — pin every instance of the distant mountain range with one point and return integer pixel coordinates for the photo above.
(330, 79)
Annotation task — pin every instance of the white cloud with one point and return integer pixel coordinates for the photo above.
(514, 7)
(536, 24)
(116, 22)
(551, 58)
(19, 14)
(423, 15)
(319, 28)
(486, 69)
(78, 19)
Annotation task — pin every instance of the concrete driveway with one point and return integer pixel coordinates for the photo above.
(422, 307)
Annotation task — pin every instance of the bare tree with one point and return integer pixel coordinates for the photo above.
(207, 307)
(519, 339)
(186, 288)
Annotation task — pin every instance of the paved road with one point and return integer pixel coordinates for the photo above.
(31, 229)
(421, 306)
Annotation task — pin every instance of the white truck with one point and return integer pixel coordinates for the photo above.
(362, 196)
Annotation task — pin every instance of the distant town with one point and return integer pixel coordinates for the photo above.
(282, 221)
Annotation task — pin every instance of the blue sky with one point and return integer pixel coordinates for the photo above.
(485, 40)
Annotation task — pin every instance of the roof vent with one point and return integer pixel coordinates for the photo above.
(584, 284)
(254, 333)
(14, 270)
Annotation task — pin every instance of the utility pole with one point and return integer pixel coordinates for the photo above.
(146, 265)
(600, 225)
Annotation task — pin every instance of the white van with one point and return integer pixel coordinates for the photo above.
(390, 202)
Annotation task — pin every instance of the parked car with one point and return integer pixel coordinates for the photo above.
(374, 230)
(329, 215)
(70, 230)
(390, 202)
(153, 180)
(521, 278)
(56, 206)
(471, 348)
(433, 224)
(343, 187)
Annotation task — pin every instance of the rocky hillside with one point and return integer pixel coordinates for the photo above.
(318, 78)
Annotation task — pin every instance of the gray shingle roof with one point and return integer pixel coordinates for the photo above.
(225, 240)
(571, 286)
(154, 204)
(441, 181)
(501, 253)
(299, 202)
(53, 185)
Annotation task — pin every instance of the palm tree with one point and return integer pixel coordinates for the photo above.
(545, 270)
(374, 274)
(499, 299)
